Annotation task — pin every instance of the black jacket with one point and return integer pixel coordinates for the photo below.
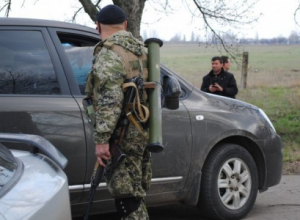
(225, 79)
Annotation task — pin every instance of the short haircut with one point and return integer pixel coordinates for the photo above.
(225, 59)
(217, 58)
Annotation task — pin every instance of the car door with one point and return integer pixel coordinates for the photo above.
(35, 97)
(75, 48)
(170, 168)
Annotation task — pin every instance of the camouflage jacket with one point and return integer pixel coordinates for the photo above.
(108, 72)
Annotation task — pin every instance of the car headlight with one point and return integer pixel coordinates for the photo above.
(267, 119)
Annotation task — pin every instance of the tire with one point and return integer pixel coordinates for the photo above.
(229, 183)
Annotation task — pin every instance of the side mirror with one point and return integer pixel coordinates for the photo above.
(171, 92)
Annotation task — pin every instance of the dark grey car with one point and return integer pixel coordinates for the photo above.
(218, 152)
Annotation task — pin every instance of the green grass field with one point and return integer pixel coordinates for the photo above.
(273, 82)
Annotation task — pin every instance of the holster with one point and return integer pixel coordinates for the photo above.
(89, 109)
(127, 205)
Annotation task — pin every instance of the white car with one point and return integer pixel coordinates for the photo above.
(32, 186)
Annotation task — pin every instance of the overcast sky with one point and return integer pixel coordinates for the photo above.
(277, 19)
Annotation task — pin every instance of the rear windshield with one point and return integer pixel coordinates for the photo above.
(9, 170)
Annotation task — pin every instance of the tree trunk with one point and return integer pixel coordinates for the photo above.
(134, 10)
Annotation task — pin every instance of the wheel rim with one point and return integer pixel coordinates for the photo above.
(234, 183)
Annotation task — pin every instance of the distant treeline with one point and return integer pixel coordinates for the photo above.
(294, 38)
(275, 40)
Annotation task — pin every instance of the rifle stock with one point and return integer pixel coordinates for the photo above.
(116, 154)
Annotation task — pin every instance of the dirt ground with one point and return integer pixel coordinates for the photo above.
(291, 168)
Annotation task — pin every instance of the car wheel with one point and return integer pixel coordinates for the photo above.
(229, 183)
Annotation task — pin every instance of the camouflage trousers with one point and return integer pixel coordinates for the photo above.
(140, 214)
(132, 176)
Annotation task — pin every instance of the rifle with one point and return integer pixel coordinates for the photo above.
(116, 139)
(116, 156)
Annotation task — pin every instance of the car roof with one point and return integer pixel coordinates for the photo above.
(43, 23)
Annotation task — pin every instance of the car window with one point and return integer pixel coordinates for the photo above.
(79, 50)
(9, 167)
(25, 64)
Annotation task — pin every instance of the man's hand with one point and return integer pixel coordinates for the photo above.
(215, 87)
(102, 153)
(212, 88)
(218, 87)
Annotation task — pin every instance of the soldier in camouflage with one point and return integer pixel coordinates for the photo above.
(117, 57)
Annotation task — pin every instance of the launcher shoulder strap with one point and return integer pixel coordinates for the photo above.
(135, 111)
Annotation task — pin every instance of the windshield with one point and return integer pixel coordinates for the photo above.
(9, 170)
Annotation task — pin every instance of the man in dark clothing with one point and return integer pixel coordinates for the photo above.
(218, 81)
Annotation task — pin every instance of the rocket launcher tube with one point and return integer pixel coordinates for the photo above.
(155, 119)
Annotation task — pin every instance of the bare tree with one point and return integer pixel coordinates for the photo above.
(133, 9)
(219, 16)
(216, 15)
(294, 38)
(176, 38)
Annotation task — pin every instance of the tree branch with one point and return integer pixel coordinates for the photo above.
(75, 14)
(222, 14)
(3, 7)
(97, 4)
(8, 8)
(90, 8)
(295, 15)
(23, 3)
